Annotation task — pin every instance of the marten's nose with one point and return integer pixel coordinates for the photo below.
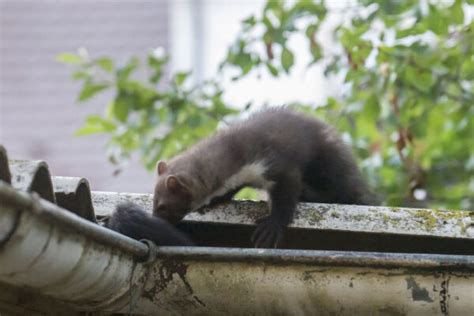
(171, 218)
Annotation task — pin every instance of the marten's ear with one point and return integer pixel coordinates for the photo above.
(174, 184)
(161, 167)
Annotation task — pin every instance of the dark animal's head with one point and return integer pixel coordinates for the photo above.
(173, 198)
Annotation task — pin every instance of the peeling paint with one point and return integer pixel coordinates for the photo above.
(417, 293)
(165, 276)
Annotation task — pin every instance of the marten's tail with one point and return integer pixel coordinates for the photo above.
(129, 219)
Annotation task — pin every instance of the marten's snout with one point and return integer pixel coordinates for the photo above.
(174, 219)
(167, 214)
(171, 218)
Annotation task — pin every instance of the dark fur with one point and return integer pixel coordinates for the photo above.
(305, 159)
(130, 220)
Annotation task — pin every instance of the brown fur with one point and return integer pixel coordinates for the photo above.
(304, 158)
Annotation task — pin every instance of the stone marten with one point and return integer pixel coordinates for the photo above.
(290, 155)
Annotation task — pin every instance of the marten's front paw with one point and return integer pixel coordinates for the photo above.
(268, 233)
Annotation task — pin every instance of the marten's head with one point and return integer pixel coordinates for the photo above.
(172, 199)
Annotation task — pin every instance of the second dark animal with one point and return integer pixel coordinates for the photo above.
(132, 221)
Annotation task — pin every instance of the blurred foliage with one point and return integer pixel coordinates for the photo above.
(407, 105)
(156, 122)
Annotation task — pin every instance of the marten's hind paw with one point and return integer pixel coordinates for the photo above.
(268, 233)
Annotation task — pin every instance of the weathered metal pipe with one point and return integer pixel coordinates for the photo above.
(24, 202)
(210, 281)
(54, 252)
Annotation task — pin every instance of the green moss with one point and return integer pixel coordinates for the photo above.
(314, 217)
(431, 217)
(445, 215)
(429, 221)
(359, 217)
(386, 218)
(394, 221)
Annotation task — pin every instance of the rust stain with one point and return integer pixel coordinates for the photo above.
(165, 275)
(444, 296)
(418, 293)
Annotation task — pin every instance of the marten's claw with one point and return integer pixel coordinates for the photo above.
(268, 233)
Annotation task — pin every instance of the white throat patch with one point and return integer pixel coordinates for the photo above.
(249, 175)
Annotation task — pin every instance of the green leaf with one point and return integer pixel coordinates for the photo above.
(456, 12)
(372, 108)
(247, 194)
(417, 29)
(120, 109)
(90, 89)
(181, 77)
(249, 22)
(96, 124)
(316, 52)
(310, 7)
(436, 21)
(287, 59)
(272, 69)
(311, 30)
(105, 63)
(79, 75)
(156, 65)
(394, 7)
(88, 129)
(467, 69)
(125, 72)
(419, 78)
(69, 58)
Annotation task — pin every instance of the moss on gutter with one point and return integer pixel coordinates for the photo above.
(430, 218)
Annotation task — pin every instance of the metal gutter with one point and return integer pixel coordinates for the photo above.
(20, 203)
(99, 270)
(57, 254)
(295, 282)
